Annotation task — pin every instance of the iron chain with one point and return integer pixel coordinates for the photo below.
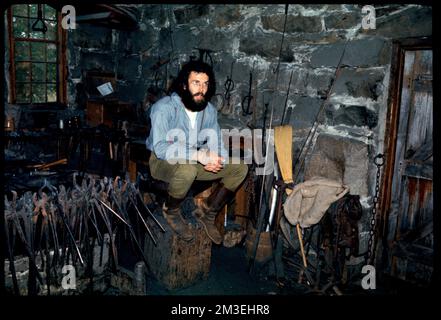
(369, 256)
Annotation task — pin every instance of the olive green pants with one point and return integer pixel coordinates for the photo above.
(180, 177)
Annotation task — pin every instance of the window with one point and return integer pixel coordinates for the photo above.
(37, 58)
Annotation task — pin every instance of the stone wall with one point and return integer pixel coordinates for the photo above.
(247, 38)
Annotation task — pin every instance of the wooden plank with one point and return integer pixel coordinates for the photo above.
(132, 170)
(416, 207)
(410, 80)
(413, 252)
(420, 118)
(12, 96)
(417, 170)
(420, 121)
(94, 113)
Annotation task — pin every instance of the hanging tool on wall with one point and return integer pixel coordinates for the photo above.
(229, 86)
(299, 162)
(246, 101)
(205, 55)
(39, 24)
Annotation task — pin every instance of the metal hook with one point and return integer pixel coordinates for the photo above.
(39, 20)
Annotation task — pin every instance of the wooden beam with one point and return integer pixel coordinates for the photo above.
(93, 16)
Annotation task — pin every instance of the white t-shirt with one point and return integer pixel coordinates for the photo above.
(192, 116)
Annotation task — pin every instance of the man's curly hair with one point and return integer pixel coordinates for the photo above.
(181, 81)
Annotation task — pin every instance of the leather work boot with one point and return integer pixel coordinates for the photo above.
(208, 209)
(173, 214)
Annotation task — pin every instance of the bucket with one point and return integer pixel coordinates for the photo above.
(264, 249)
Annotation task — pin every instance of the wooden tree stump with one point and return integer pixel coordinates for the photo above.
(175, 262)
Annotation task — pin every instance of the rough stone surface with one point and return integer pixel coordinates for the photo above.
(184, 39)
(138, 41)
(293, 23)
(351, 116)
(367, 52)
(226, 15)
(88, 36)
(305, 111)
(382, 10)
(156, 13)
(358, 53)
(187, 15)
(343, 160)
(327, 55)
(366, 83)
(126, 68)
(97, 60)
(342, 21)
(411, 22)
(217, 41)
(253, 45)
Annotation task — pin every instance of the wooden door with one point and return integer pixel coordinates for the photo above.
(410, 219)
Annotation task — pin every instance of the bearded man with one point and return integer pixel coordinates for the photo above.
(186, 145)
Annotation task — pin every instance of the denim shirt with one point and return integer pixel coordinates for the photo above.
(168, 113)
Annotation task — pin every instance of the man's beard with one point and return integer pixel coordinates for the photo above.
(191, 104)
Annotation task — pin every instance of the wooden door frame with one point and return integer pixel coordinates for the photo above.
(392, 121)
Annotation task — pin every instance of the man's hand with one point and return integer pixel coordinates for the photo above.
(215, 168)
(212, 161)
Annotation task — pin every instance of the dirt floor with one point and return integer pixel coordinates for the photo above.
(228, 276)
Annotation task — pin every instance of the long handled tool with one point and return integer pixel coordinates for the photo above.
(283, 145)
(261, 217)
(262, 214)
(300, 160)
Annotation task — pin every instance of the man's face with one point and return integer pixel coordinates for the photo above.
(196, 89)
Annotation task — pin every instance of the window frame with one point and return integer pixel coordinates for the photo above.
(61, 44)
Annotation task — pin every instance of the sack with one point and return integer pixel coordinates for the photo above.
(310, 200)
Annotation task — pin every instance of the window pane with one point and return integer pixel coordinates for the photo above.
(21, 50)
(33, 33)
(38, 72)
(23, 91)
(51, 52)
(36, 68)
(20, 27)
(23, 71)
(51, 72)
(38, 49)
(20, 10)
(38, 93)
(49, 12)
(33, 9)
(51, 93)
(51, 33)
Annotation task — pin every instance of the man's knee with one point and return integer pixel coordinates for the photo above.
(239, 171)
(242, 170)
(182, 179)
(187, 172)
